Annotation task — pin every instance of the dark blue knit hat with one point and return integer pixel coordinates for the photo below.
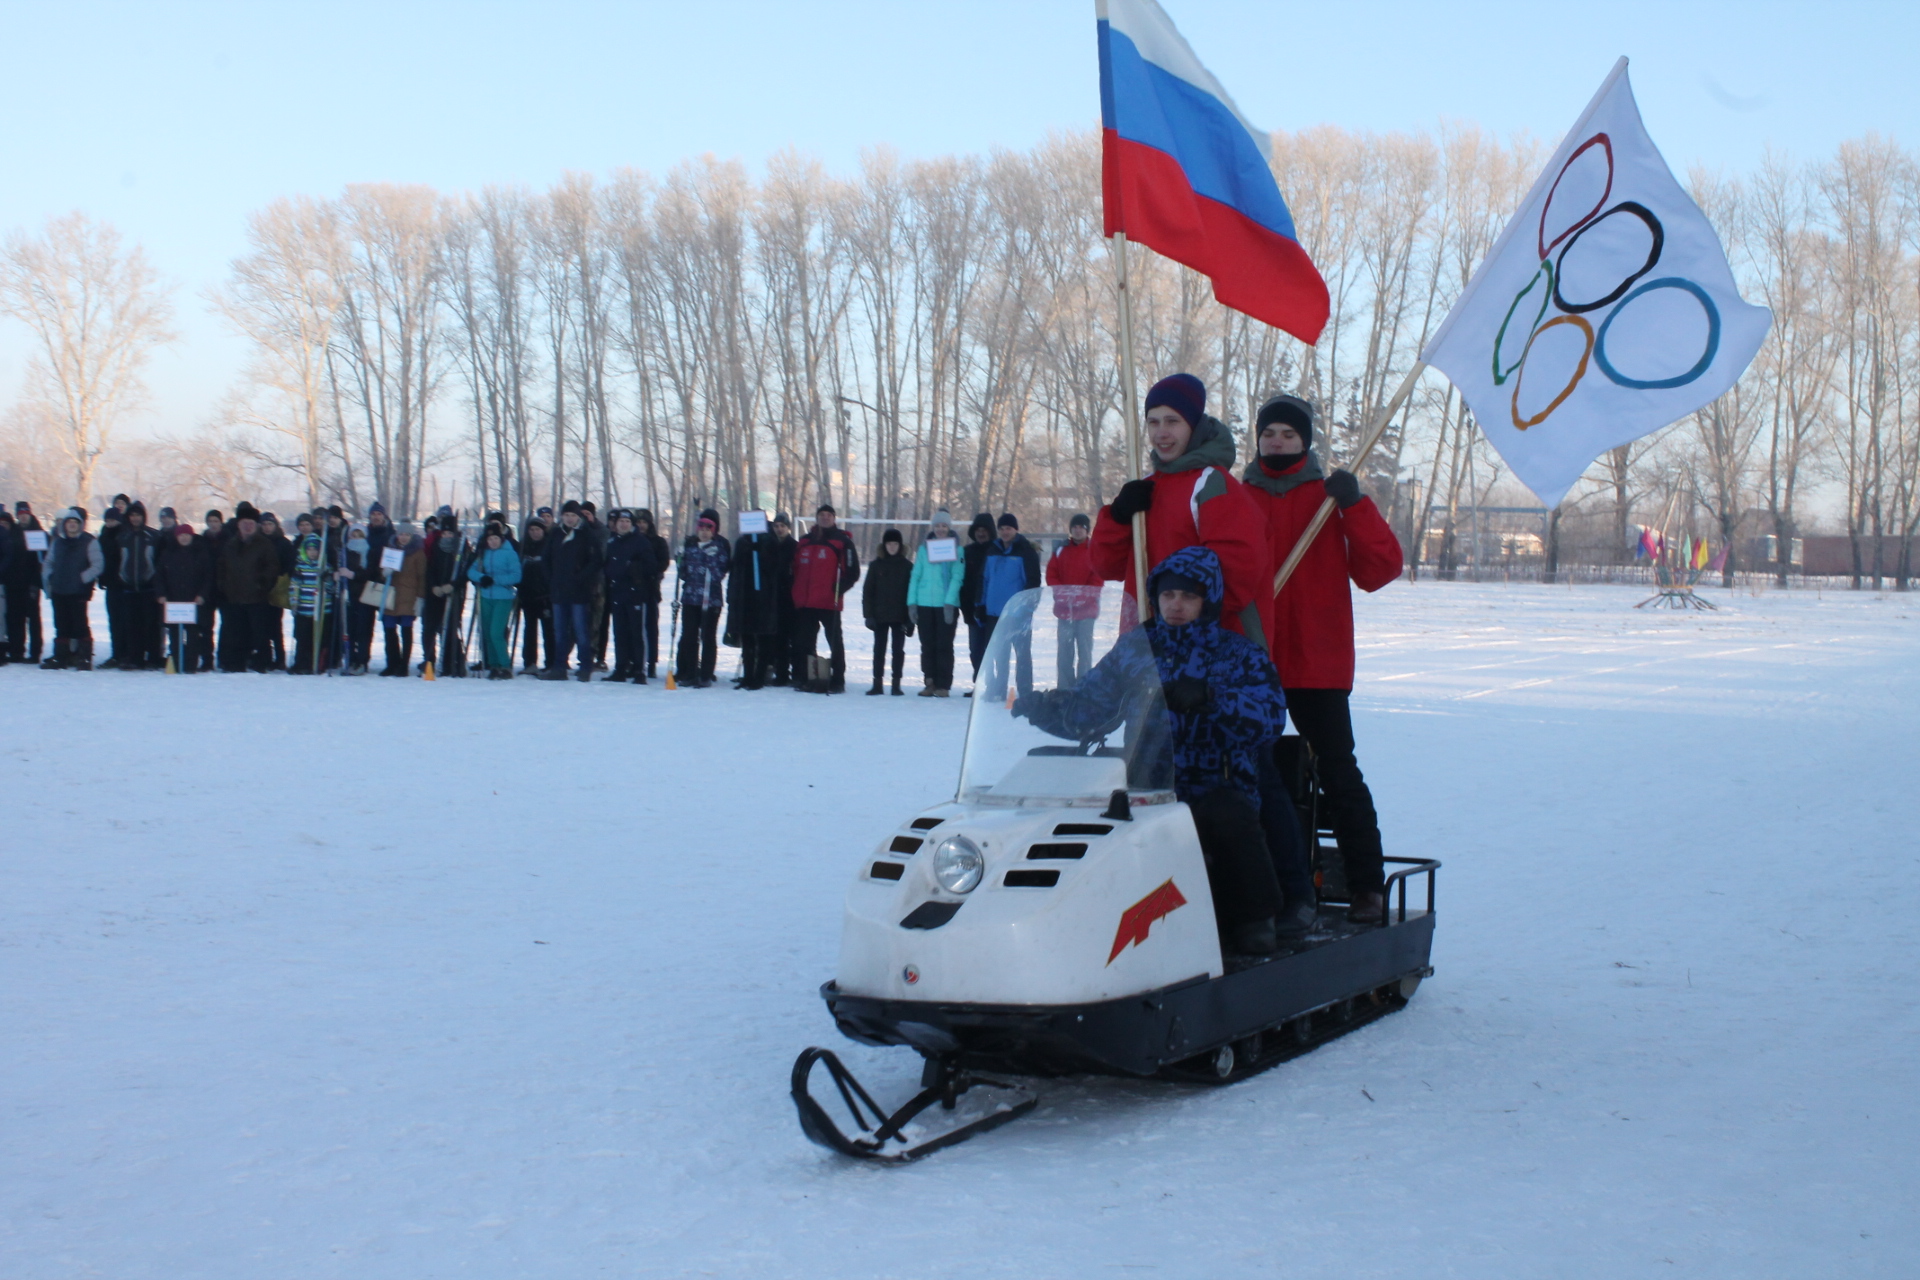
(1183, 393)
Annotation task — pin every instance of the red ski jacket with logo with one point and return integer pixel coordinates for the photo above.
(825, 564)
(1313, 618)
(1075, 582)
(1197, 502)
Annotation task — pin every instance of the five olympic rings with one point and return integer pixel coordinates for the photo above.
(1553, 269)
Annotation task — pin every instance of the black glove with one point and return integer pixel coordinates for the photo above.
(1343, 489)
(1134, 497)
(1185, 695)
(486, 579)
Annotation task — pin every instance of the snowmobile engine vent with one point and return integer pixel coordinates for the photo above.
(1082, 829)
(930, 915)
(886, 871)
(1040, 852)
(1023, 879)
(925, 824)
(905, 844)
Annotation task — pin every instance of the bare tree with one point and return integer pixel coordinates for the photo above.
(96, 313)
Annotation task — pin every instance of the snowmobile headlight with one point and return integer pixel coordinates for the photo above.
(958, 864)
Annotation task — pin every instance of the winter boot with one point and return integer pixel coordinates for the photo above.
(1298, 920)
(1257, 938)
(584, 675)
(618, 676)
(112, 664)
(83, 655)
(943, 693)
(553, 673)
(897, 691)
(1367, 908)
(876, 691)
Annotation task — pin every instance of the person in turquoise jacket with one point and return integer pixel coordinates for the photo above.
(933, 599)
(496, 571)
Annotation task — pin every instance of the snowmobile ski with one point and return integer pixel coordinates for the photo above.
(942, 1081)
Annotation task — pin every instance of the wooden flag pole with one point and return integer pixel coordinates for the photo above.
(1130, 406)
(1320, 517)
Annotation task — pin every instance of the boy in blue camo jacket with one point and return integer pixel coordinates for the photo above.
(1204, 700)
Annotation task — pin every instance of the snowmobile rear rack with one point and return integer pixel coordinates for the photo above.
(942, 1081)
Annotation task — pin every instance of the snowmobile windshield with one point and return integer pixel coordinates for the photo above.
(1066, 709)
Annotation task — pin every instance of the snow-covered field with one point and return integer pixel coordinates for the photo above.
(401, 980)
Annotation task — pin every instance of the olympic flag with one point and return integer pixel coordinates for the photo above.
(1183, 173)
(1606, 309)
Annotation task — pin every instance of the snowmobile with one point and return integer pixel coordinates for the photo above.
(1054, 919)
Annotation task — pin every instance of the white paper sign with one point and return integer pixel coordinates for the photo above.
(36, 540)
(392, 558)
(943, 550)
(753, 522)
(188, 613)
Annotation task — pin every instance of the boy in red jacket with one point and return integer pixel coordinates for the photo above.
(1076, 601)
(1190, 499)
(825, 565)
(1312, 637)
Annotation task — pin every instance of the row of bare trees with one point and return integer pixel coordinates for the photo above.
(941, 333)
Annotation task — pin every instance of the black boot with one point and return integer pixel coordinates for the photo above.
(1257, 938)
(876, 691)
(897, 691)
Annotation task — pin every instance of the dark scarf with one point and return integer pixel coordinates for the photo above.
(1280, 482)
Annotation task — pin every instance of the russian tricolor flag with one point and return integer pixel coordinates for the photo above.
(1185, 174)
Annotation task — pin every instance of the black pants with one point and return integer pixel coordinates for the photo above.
(399, 641)
(1292, 864)
(536, 621)
(273, 636)
(698, 630)
(650, 635)
(892, 635)
(1324, 719)
(625, 623)
(360, 620)
(433, 622)
(243, 637)
(1239, 871)
(23, 624)
(978, 629)
(140, 627)
(307, 646)
(203, 641)
(779, 646)
(936, 647)
(602, 609)
(72, 635)
(807, 624)
(757, 656)
(184, 641)
(117, 639)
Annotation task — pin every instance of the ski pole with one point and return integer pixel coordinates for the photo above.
(673, 633)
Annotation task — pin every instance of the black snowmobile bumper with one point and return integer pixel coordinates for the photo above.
(1143, 1035)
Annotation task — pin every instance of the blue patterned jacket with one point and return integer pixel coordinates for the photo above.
(1210, 747)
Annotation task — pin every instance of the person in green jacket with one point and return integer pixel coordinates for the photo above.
(496, 571)
(933, 601)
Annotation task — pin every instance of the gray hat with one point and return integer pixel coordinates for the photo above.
(941, 517)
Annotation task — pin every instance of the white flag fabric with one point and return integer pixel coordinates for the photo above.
(1605, 310)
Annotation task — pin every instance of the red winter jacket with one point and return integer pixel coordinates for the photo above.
(825, 564)
(1313, 618)
(1075, 582)
(1197, 502)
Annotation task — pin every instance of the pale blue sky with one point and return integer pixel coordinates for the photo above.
(175, 120)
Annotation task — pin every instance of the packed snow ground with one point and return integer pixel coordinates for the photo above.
(379, 979)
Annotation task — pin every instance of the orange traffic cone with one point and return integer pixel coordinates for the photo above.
(428, 673)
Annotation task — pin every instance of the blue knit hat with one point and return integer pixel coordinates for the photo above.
(1183, 393)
